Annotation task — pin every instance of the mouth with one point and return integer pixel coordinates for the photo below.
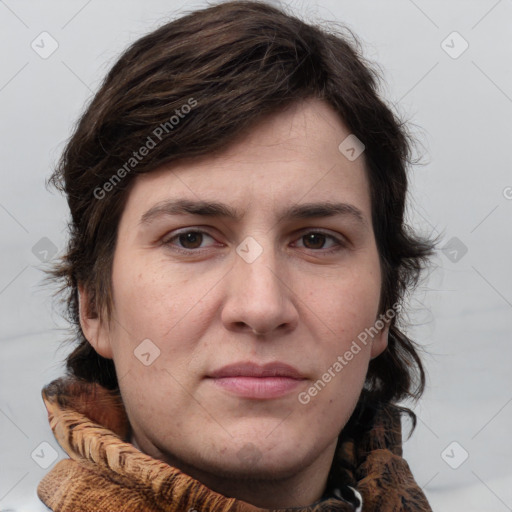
(259, 382)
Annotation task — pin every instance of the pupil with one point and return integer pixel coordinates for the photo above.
(315, 238)
(192, 238)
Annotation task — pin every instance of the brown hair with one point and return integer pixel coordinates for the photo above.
(232, 64)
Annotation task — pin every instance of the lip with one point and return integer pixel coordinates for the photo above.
(250, 369)
(251, 380)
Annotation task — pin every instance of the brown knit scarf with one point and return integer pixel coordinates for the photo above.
(108, 474)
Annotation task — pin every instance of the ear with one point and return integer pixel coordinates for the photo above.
(93, 328)
(380, 341)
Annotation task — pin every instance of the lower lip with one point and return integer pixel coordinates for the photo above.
(258, 387)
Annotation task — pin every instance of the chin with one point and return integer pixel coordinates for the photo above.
(256, 469)
(260, 459)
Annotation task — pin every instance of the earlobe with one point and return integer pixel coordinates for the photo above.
(380, 341)
(92, 326)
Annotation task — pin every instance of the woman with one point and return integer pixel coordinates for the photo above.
(236, 265)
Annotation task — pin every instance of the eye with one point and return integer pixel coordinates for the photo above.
(315, 240)
(191, 240)
(188, 240)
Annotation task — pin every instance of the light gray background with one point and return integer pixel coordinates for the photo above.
(461, 314)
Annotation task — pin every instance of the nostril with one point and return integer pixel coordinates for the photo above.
(243, 325)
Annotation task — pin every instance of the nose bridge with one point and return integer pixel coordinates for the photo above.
(258, 296)
(257, 268)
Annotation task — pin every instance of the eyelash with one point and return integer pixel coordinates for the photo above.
(340, 244)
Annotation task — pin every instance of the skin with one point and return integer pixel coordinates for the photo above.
(309, 298)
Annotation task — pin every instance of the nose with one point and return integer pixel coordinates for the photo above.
(260, 297)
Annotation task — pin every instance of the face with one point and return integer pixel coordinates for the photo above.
(227, 317)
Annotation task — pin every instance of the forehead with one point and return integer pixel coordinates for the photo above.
(290, 157)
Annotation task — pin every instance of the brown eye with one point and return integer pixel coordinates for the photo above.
(314, 240)
(187, 240)
(191, 239)
(318, 241)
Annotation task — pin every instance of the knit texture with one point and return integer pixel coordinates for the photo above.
(106, 473)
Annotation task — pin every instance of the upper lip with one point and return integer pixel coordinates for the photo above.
(250, 369)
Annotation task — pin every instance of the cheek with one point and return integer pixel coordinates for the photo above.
(347, 303)
(343, 311)
(148, 295)
(144, 310)
(163, 304)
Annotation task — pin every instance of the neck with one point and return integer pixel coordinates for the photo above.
(302, 488)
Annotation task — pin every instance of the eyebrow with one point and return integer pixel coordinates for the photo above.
(214, 209)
